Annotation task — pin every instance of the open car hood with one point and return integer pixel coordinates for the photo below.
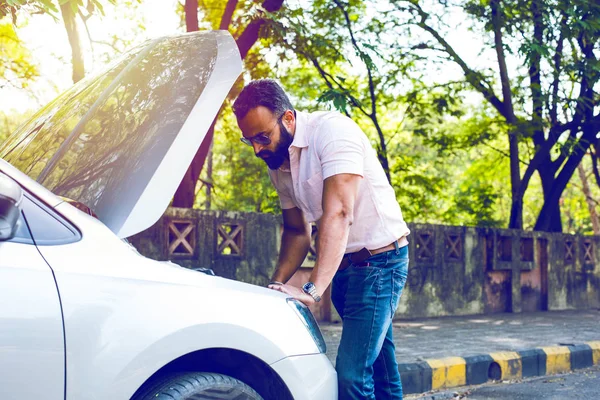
(121, 141)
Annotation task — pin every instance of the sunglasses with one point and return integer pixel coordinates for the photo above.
(263, 139)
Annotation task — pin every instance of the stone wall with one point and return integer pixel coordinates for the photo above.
(241, 246)
(453, 270)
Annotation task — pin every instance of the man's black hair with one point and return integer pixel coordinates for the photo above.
(262, 92)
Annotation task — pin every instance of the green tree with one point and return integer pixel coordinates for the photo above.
(245, 26)
(69, 10)
(361, 77)
(548, 104)
(16, 66)
(14, 7)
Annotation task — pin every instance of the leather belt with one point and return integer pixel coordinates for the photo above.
(362, 255)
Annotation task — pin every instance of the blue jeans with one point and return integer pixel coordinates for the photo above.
(366, 296)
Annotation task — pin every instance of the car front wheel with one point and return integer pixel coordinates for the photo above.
(199, 386)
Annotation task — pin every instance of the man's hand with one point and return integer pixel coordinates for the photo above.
(294, 292)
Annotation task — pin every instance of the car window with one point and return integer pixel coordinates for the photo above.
(47, 228)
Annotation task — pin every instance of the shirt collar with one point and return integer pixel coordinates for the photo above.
(300, 136)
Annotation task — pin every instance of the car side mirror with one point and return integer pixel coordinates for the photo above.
(11, 197)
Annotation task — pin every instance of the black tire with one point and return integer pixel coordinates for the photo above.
(198, 386)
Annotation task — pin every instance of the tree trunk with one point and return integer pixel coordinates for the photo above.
(73, 35)
(535, 83)
(594, 154)
(186, 192)
(547, 173)
(516, 212)
(584, 113)
(589, 200)
(228, 14)
(224, 25)
(191, 15)
(547, 219)
(250, 34)
(209, 175)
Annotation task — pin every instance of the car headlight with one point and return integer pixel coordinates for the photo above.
(309, 321)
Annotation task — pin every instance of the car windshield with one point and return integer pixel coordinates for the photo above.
(85, 145)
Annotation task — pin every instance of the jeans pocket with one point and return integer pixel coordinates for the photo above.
(399, 275)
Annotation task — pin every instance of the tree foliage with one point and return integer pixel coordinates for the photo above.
(16, 66)
(491, 140)
(358, 74)
(69, 10)
(244, 20)
(14, 7)
(549, 102)
(441, 150)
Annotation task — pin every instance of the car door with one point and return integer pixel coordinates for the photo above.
(32, 345)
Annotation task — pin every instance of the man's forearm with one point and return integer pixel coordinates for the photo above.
(333, 237)
(294, 248)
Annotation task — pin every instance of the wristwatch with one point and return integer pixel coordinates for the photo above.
(310, 289)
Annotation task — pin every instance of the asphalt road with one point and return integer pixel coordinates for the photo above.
(582, 384)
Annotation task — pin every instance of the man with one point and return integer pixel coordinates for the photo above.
(325, 171)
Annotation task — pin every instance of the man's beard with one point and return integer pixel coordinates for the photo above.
(276, 158)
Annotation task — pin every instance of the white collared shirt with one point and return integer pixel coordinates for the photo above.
(329, 143)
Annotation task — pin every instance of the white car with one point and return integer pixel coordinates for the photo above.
(82, 314)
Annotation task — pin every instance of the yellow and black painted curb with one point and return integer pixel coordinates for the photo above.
(450, 372)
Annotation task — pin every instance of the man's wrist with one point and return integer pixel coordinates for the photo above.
(310, 289)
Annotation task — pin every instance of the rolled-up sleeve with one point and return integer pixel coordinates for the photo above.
(340, 147)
